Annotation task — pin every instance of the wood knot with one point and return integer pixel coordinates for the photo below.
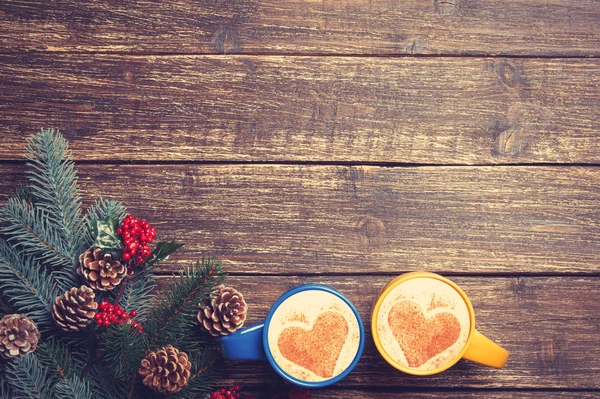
(525, 123)
(370, 227)
(226, 40)
(446, 7)
(522, 291)
(413, 46)
(550, 356)
(507, 140)
(187, 182)
(509, 75)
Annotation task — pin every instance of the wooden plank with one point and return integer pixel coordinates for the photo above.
(408, 394)
(426, 110)
(550, 325)
(538, 27)
(334, 219)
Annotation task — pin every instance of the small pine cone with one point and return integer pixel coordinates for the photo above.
(75, 309)
(19, 335)
(166, 371)
(225, 313)
(101, 271)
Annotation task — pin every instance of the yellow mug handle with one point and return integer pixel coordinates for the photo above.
(484, 351)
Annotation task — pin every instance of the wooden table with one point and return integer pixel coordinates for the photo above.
(344, 142)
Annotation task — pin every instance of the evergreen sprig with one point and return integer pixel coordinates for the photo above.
(122, 351)
(59, 359)
(29, 228)
(54, 183)
(30, 289)
(74, 387)
(4, 391)
(28, 378)
(42, 234)
(203, 373)
(138, 292)
(174, 316)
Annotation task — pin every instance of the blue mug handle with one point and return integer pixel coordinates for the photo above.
(245, 344)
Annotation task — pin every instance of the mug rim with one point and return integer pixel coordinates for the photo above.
(386, 291)
(279, 370)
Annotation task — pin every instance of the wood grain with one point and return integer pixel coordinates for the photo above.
(306, 109)
(550, 326)
(456, 27)
(331, 219)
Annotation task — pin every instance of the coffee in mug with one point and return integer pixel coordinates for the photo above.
(313, 337)
(423, 324)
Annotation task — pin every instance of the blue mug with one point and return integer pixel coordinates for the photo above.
(313, 337)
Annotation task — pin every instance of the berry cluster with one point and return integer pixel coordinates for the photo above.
(136, 234)
(233, 392)
(113, 314)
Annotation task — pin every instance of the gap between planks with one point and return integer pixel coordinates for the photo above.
(288, 54)
(312, 163)
(162, 273)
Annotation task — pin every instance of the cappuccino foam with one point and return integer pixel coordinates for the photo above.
(313, 335)
(423, 323)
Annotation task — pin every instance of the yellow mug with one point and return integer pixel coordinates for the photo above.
(476, 348)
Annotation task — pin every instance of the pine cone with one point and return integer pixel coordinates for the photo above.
(75, 309)
(166, 371)
(19, 336)
(99, 270)
(225, 313)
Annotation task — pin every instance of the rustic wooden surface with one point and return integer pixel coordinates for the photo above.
(307, 109)
(289, 219)
(344, 142)
(457, 27)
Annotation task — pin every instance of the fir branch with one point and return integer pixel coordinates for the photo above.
(73, 387)
(122, 350)
(104, 386)
(204, 374)
(30, 229)
(174, 315)
(138, 292)
(29, 288)
(4, 390)
(101, 209)
(28, 378)
(59, 360)
(54, 183)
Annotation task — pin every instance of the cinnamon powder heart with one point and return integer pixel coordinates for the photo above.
(421, 337)
(316, 349)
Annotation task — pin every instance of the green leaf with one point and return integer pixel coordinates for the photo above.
(101, 209)
(107, 237)
(162, 251)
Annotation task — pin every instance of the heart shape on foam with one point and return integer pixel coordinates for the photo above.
(421, 337)
(316, 349)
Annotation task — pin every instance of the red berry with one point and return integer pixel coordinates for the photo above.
(126, 255)
(133, 313)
